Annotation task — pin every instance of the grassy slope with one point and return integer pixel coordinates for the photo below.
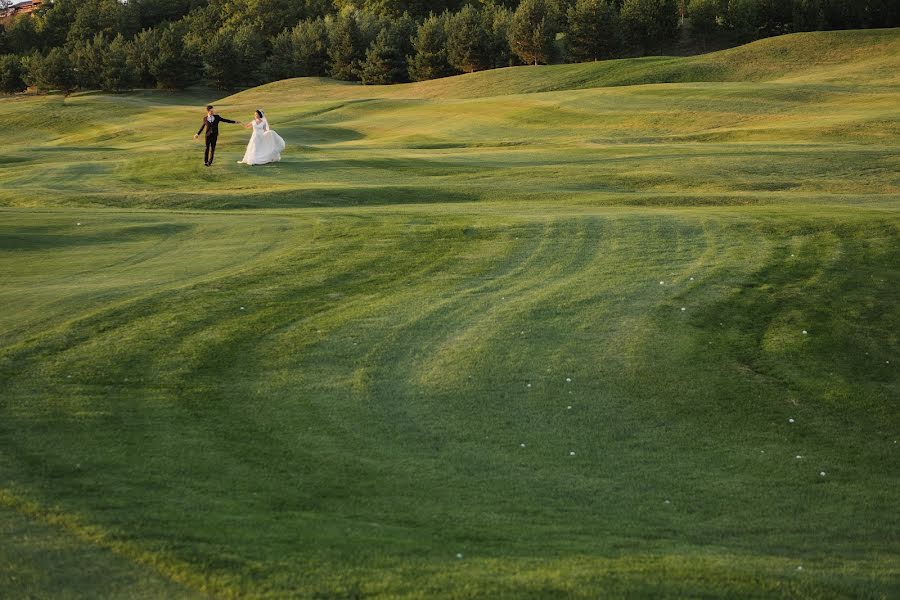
(711, 143)
(332, 401)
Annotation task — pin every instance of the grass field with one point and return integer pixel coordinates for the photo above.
(619, 329)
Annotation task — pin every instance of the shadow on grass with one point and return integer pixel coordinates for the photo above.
(201, 96)
(304, 135)
(313, 197)
(25, 238)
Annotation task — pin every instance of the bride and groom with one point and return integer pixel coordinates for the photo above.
(265, 145)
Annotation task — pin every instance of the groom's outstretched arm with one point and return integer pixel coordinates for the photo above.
(223, 119)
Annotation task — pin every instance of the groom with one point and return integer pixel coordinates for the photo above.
(211, 124)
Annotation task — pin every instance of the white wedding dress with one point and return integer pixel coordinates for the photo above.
(265, 145)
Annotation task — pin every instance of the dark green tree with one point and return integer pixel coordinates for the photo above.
(280, 62)
(883, 13)
(220, 55)
(310, 47)
(594, 32)
(385, 62)
(107, 17)
(704, 17)
(404, 29)
(252, 48)
(807, 15)
(11, 74)
(199, 27)
(741, 17)
(392, 9)
(150, 13)
(497, 21)
(650, 24)
(774, 17)
(54, 20)
(234, 57)
(117, 75)
(370, 25)
(269, 17)
(429, 60)
(21, 35)
(52, 71)
(560, 11)
(532, 32)
(141, 54)
(173, 66)
(87, 61)
(345, 49)
(299, 52)
(844, 14)
(468, 43)
(751, 19)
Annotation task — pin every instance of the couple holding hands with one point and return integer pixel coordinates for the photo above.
(265, 145)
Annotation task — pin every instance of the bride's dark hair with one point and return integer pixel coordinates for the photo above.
(260, 113)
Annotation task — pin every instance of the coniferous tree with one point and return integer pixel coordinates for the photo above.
(384, 62)
(107, 17)
(280, 63)
(497, 21)
(650, 24)
(221, 55)
(52, 71)
(844, 14)
(807, 15)
(594, 30)
(251, 48)
(403, 29)
(774, 17)
(430, 47)
(234, 57)
(299, 52)
(54, 21)
(741, 16)
(11, 74)
(369, 25)
(141, 54)
(117, 75)
(151, 13)
(751, 19)
(883, 13)
(344, 48)
(704, 16)
(468, 44)
(198, 27)
(21, 35)
(173, 65)
(268, 16)
(87, 61)
(310, 48)
(532, 32)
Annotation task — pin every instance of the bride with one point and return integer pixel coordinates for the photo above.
(265, 145)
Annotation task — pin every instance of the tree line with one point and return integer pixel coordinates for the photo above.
(112, 45)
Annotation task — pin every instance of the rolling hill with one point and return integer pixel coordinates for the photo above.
(620, 329)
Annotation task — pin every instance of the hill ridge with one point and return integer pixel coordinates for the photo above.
(834, 57)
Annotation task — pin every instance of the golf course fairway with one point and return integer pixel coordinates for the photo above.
(614, 329)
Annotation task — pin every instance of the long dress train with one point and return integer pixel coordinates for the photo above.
(265, 145)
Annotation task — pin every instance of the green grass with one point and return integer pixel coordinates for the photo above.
(314, 378)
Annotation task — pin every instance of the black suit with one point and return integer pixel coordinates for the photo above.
(212, 135)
